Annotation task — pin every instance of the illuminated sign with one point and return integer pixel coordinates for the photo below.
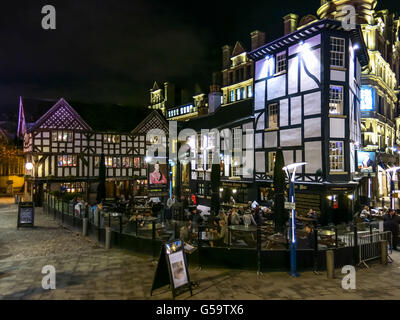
(367, 99)
(366, 161)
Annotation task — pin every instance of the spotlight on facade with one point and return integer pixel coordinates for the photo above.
(221, 189)
(28, 166)
(234, 191)
(147, 159)
(350, 196)
(356, 47)
(329, 198)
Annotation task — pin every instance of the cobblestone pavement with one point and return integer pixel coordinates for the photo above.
(87, 271)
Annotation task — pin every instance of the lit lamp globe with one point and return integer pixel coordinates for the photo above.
(28, 166)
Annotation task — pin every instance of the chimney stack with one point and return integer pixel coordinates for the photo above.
(257, 39)
(226, 56)
(290, 22)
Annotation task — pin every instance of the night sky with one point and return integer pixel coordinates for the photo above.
(113, 51)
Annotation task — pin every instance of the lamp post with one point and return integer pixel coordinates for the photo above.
(391, 172)
(291, 174)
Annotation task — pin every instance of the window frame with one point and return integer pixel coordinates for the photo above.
(270, 116)
(281, 64)
(338, 100)
(337, 55)
(332, 156)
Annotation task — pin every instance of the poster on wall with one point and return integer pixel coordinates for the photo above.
(186, 174)
(158, 180)
(367, 99)
(366, 162)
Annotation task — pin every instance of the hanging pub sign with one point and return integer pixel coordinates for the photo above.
(366, 163)
(158, 181)
(172, 269)
(26, 214)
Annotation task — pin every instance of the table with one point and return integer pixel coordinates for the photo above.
(326, 232)
(241, 228)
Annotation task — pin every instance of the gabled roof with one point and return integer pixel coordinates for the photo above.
(96, 116)
(153, 121)
(308, 31)
(155, 86)
(223, 117)
(238, 49)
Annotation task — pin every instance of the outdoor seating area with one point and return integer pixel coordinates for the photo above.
(234, 228)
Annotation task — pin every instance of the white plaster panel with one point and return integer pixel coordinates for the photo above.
(312, 128)
(276, 87)
(259, 141)
(290, 137)
(337, 75)
(312, 60)
(271, 139)
(312, 103)
(313, 156)
(311, 42)
(259, 95)
(288, 157)
(293, 72)
(247, 126)
(299, 156)
(261, 69)
(295, 110)
(260, 122)
(337, 128)
(284, 113)
(260, 162)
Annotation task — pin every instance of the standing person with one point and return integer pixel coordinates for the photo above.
(391, 223)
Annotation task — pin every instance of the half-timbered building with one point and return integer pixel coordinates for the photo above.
(64, 147)
(307, 102)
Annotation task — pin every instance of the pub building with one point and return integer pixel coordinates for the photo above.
(379, 92)
(307, 103)
(63, 145)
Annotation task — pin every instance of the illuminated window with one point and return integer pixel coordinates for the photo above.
(238, 94)
(281, 62)
(336, 156)
(237, 139)
(235, 165)
(232, 96)
(200, 188)
(337, 52)
(273, 116)
(336, 100)
(271, 161)
(78, 187)
(61, 136)
(67, 161)
(126, 162)
(249, 91)
(111, 138)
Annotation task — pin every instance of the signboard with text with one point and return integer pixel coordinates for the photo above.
(26, 214)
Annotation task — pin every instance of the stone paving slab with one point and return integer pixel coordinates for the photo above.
(86, 270)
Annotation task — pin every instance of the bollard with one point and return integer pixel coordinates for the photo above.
(84, 227)
(330, 264)
(384, 251)
(108, 238)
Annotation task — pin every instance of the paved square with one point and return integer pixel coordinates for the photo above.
(84, 270)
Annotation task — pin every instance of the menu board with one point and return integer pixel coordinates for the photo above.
(26, 214)
(172, 269)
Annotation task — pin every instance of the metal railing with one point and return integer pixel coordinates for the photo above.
(370, 246)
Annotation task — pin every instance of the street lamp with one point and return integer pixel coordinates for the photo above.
(28, 166)
(391, 172)
(292, 221)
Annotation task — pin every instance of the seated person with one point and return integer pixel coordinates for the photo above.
(248, 218)
(221, 237)
(235, 218)
(223, 216)
(311, 214)
(186, 231)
